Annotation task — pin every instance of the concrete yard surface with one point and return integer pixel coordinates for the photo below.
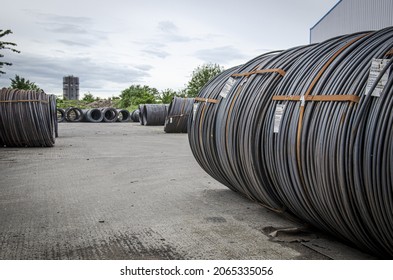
(126, 191)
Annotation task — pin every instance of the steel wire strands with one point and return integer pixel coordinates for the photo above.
(308, 131)
(94, 115)
(123, 115)
(178, 112)
(73, 114)
(110, 114)
(141, 108)
(27, 118)
(60, 115)
(134, 116)
(153, 114)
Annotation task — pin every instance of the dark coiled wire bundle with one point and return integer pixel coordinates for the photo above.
(177, 118)
(93, 115)
(153, 114)
(123, 115)
(27, 118)
(73, 114)
(134, 116)
(60, 115)
(109, 114)
(141, 109)
(302, 133)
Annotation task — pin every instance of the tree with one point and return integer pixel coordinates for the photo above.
(88, 97)
(137, 94)
(182, 93)
(6, 46)
(166, 96)
(21, 83)
(200, 76)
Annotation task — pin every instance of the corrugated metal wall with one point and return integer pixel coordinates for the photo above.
(350, 16)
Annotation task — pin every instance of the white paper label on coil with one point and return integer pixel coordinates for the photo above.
(278, 116)
(227, 87)
(376, 68)
(196, 105)
(170, 120)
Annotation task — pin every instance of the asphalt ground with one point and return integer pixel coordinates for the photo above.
(126, 191)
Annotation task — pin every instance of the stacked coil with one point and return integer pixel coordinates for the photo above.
(92, 115)
(123, 115)
(27, 118)
(307, 131)
(134, 116)
(95, 115)
(109, 114)
(60, 115)
(177, 118)
(73, 114)
(141, 109)
(153, 114)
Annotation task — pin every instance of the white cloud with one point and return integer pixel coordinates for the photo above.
(220, 55)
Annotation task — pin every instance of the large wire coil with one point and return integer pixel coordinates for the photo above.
(308, 131)
(27, 118)
(177, 118)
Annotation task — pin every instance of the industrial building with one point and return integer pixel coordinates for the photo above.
(350, 16)
(71, 88)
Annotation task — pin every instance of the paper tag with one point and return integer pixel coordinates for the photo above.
(228, 85)
(170, 120)
(195, 108)
(376, 67)
(278, 116)
(302, 101)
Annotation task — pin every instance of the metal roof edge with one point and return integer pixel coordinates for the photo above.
(325, 15)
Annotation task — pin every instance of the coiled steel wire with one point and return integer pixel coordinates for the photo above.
(110, 114)
(123, 115)
(92, 115)
(297, 131)
(177, 118)
(154, 114)
(27, 118)
(73, 114)
(60, 114)
(141, 109)
(53, 113)
(134, 116)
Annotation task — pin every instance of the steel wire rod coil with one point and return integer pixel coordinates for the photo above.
(307, 131)
(73, 114)
(141, 109)
(27, 118)
(123, 115)
(53, 113)
(109, 114)
(93, 115)
(154, 114)
(177, 118)
(60, 114)
(134, 116)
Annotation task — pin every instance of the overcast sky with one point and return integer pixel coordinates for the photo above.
(111, 45)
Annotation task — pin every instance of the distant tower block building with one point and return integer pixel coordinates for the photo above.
(71, 88)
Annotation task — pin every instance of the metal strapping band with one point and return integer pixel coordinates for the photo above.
(209, 100)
